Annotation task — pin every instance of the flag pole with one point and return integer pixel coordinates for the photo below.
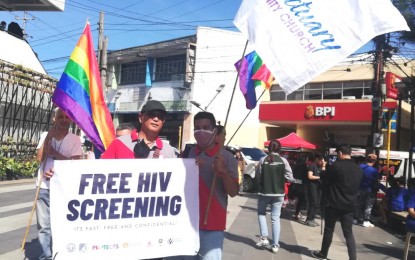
(240, 125)
(44, 157)
(234, 86)
(212, 189)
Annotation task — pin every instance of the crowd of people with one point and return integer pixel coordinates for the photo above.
(214, 161)
(344, 190)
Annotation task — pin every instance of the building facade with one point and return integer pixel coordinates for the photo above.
(197, 73)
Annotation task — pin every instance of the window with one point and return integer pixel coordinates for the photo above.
(276, 93)
(353, 89)
(332, 90)
(169, 67)
(133, 73)
(313, 91)
(296, 95)
(321, 91)
(367, 87)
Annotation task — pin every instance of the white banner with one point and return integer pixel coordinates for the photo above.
(124, 209)
(298, 40)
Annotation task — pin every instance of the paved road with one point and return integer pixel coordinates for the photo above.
(297, 240)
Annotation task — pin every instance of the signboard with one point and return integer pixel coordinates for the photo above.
(124, 209)
(319, 112)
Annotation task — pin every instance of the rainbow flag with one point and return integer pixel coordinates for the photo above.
(79, 93)
(252, 73)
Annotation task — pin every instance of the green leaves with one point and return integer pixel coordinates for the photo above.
(17, 160)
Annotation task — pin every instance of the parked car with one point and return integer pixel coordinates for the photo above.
(251, 156)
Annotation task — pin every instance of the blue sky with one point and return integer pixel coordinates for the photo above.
(127, 23)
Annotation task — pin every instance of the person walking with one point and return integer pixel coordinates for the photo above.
(217, 171)
(271, 173)
(57, 144)
(300, 173)
(368, 189)
(342, 181)
(314, 188)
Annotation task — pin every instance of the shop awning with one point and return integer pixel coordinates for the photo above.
(293, 141)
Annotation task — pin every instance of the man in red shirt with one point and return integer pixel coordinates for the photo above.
(146, 143)
(212, 160)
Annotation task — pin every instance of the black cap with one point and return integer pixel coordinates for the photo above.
(153, 105)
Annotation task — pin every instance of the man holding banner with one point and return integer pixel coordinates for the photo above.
(218, 178)
(146, 143)
(59, 144)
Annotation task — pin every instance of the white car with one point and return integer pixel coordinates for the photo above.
(251, 156)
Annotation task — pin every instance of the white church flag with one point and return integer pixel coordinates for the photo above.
(124, 209)
(298, 40)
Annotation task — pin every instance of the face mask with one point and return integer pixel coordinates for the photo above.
(204, 137)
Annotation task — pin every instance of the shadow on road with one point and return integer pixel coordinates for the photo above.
(240, 239)
(32, 250)
(386, 250)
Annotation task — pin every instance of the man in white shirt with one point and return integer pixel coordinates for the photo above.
(59, 144)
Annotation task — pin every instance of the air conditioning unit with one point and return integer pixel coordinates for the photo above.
(367, 96)
(349, 97)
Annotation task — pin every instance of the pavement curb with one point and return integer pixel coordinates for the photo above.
(21, 181)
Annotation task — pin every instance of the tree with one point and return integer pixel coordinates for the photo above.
(407, 8)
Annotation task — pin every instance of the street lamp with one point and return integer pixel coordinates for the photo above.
(116, 107)
(196, 104)
(218, 90)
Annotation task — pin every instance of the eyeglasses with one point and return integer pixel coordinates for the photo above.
(158, 114)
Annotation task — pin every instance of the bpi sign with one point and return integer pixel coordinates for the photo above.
(319, 111)
(325, 111)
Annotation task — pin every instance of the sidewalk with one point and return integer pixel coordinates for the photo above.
(298, 240)
(20, 181)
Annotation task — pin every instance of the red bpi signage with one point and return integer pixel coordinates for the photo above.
(390, 80)
(314, 111)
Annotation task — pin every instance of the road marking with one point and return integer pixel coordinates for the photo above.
(31, 186)
(15, 206)
(15, 222)
(16, 254)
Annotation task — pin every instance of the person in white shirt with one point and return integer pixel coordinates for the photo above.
(58, 144)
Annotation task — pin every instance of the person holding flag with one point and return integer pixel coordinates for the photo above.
(218, 178)
(58, 144)
(78, 97)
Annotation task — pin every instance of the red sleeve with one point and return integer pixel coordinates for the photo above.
(111, 152)
(117, 150)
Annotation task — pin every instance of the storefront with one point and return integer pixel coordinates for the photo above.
(321, 121)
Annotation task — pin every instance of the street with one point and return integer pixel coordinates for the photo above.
(296, 241)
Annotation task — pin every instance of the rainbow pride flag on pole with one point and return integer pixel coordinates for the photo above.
(79, 93)
(252, 73)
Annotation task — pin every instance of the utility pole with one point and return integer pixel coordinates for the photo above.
(100, 37)
(411, 131)
(102, 52)
(24, 19)
(104, 64)
(376, 138)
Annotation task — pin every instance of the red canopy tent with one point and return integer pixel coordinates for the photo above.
(293, 141)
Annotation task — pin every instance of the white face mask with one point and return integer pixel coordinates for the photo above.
(204, 137)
